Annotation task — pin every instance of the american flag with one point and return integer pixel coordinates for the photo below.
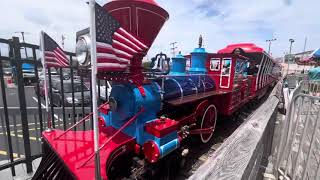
(54, 55)
(115, 46)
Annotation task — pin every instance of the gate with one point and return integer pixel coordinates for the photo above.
(299, 148)
(22, 111)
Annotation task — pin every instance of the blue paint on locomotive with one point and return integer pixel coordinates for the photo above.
(178, 65)
(129, 101)
(166, 144)
(198, 61)
(178, 87)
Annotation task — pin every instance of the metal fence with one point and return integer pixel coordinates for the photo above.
(20, 124)
(298, 151)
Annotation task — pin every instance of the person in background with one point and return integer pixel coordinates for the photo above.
(314, 79)
(253, 69)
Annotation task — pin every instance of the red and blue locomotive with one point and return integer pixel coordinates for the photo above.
(147, 118)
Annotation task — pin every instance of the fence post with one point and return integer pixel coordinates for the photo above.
(6, 118)
(22, 101)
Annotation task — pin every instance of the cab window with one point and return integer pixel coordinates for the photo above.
(226, 67)
(215, 64)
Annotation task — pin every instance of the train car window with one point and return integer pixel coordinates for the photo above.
(188, 64)
(215, 64)
(226, 67)
(253, 68)
(241, 67)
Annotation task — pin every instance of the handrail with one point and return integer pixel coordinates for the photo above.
(300, 114)
(79, 122)
(113, 136)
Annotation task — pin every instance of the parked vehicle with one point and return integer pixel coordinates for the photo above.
(7, 71)
(103, 87)
(78, 90)
(54, 75)
(29, 75)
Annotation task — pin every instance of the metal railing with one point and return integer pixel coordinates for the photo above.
(21, 124)
(298, 151)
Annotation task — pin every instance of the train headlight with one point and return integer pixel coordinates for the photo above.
(83, 50)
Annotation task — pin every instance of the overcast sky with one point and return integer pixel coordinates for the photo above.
(221, 22)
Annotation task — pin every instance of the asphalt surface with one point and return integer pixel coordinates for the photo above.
(33, 120)
(15, 122)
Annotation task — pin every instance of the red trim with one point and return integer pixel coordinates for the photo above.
(105, 109)
(151, 151)
(142, 91)
(75, 147)
(161, 127)
(110, 139)
(202, 131)
(246, 47)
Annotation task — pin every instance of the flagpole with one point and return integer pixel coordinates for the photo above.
(94, 87)
(45, 80)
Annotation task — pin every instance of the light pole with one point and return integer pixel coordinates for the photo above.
(173, 49)
(62, 40)
(290, 55)
(270, 41)
(25, 47)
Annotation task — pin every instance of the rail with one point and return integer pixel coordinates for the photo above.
(244, 154)
(19, 137)
(296, 154)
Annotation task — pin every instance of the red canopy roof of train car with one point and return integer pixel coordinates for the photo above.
(246, 47)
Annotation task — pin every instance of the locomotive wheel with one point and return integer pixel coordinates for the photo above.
(119, 167)
(209, 119)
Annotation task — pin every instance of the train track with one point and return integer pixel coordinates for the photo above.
(199, 153)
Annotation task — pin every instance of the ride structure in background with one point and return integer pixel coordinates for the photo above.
(147, 118)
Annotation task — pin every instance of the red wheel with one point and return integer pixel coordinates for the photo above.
(209, 120)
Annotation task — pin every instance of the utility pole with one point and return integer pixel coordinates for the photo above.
(25, 47)
(290, 55)
(304, 50)
(173, 49)
(270, 41)
(62, 40)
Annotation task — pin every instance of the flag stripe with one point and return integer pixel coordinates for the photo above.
(115, 46)
(54, 55)
(111, 56)
(118, 37)
(123, 47)
(116, 65)
(60, 58)
(123, 31)
(106, 48)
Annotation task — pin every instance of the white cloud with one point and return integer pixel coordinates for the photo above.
(220, 22)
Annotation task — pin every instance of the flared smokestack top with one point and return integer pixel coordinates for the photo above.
(143, 18)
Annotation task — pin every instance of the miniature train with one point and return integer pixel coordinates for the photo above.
(143, 123)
